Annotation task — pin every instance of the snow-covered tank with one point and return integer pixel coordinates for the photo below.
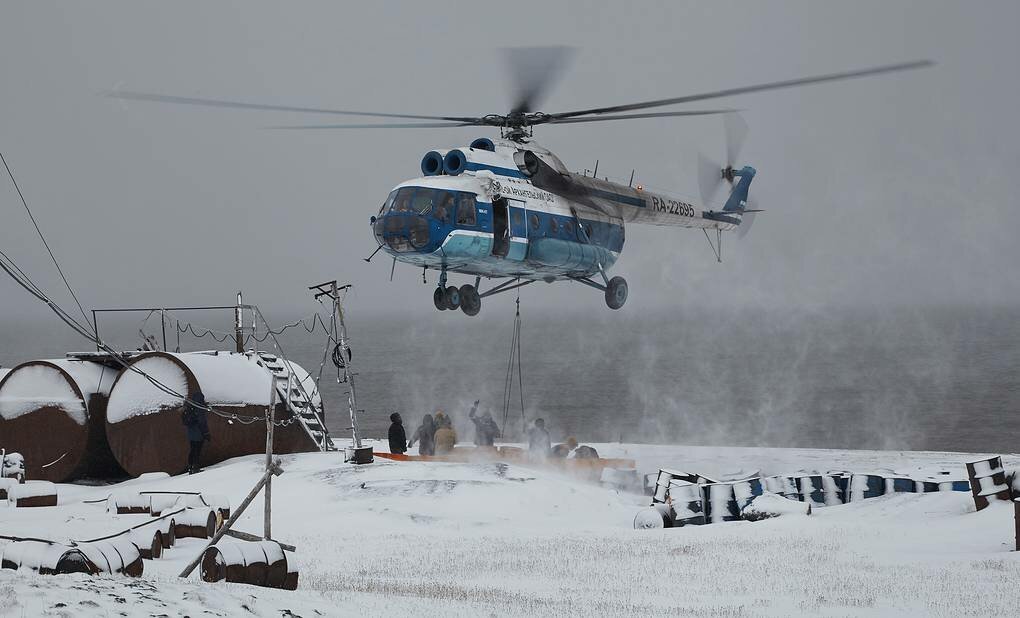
(143, 423)
(53, 413)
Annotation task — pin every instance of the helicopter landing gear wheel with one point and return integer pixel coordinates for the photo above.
(470, 301)
(616, 292)
(451, 297)
(439, 299)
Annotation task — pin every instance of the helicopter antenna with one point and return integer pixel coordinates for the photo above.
(631, 182)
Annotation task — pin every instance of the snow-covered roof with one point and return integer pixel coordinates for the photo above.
(43, 383)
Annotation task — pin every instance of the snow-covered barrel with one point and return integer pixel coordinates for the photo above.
(32, 493)
(46, 558)
(987, 481)
(116, 555)
(658, 515)
(261, 563)
(149, 541)
(664, 478)
(200, 523)
(687, 501)
(53, 411)
(129, 503)
(144, 425)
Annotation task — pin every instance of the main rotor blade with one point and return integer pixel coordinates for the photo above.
(396, 125)
(757, 88)
(697, 112)
(163, 98)
(533, 70)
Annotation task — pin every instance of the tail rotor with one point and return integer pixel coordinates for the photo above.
(712, 174)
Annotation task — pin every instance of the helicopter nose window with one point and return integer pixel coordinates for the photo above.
(466, 214)
(402, 201)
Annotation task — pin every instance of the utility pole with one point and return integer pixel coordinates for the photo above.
(356, 453)
(238, 324)
(267, 516)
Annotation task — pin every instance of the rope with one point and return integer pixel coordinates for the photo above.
(515, 353)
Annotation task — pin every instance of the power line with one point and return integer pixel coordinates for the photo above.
(43, 238)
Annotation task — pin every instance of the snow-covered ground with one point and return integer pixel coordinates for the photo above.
(496, 539)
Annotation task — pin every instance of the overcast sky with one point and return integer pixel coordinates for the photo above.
(894, 189)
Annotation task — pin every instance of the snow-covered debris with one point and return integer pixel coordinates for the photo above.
(12, 466)
(655, 516)
(770, 505)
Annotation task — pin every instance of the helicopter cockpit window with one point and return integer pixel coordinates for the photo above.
(402, 201)
(389, 202)
(466, 214)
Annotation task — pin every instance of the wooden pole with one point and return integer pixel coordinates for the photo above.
(275, 470)
(267, 515)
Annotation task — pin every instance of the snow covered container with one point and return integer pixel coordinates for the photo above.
(116, 555)
(5, 486)
(261, 563)
(987, 481)
(53, 412)
(200, 523)
(32, 493)
(46, 558)
(149, 541)
(143, 423)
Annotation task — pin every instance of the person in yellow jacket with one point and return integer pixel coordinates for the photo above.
(446, 436)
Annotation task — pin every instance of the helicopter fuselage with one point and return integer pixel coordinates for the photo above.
(511, 209)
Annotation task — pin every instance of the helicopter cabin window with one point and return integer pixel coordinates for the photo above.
(568, 228)
(517, 219)
(444, 209)
(423, 199)
(466, 214)
(535, 224)
(553, 228)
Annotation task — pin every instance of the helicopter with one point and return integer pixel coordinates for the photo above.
(509, 209)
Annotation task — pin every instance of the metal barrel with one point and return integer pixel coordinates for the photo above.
(197, 523)
(144, 425)
(65, 401)
(32, 494)
(987, 481)
(46, 558)
(688, 503)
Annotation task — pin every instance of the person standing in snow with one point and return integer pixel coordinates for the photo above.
(486, 429)
(446, 436)
(197, 429)
(424, 436)
(398, 439)
(538, 439)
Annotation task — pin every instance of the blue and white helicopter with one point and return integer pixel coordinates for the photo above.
(510, 209)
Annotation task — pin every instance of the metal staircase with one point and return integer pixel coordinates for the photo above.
(291, 390)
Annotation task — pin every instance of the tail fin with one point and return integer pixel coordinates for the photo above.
(737, 201)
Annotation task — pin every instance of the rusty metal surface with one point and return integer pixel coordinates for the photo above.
(46, 435)
(987, 481)
(157, 442)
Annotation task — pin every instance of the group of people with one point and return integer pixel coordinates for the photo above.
(436, 436)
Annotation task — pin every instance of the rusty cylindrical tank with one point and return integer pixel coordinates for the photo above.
(144, 425)
(54, 412)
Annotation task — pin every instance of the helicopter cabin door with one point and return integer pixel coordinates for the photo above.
(509, 229)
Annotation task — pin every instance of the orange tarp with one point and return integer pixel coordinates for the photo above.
(590, 469)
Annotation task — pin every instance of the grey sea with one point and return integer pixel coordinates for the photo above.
(917, 378)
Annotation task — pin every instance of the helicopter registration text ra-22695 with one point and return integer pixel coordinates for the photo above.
(509, 209)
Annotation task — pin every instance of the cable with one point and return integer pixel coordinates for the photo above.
(43, 238)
